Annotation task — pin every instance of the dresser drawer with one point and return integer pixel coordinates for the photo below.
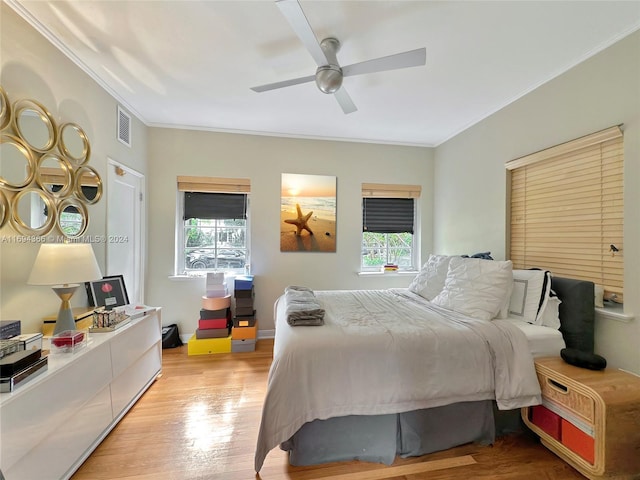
(566, 396)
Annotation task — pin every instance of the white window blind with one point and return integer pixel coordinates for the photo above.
(566, 209)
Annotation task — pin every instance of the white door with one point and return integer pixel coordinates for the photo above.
(125, 220)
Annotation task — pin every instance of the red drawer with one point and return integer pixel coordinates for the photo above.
(577, 441)
(545, 419)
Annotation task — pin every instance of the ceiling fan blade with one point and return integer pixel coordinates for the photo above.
(345, 101)
(412, 58)
(284, 83)
(292, 11)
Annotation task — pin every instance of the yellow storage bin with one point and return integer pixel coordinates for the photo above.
(244, 333)
(205, 346)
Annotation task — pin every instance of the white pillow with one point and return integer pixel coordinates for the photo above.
(529, 295)
(551, 314)
(430, 281)
(475, 287)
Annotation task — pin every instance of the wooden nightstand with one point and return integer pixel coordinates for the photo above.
(590, 419)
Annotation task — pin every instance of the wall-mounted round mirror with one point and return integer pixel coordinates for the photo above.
(33, 212)
(35, 125)
(73, 218)
(74, 144)
(88, 184)
(5, 110)
(4, 209)
(17, 165)
(55, 175)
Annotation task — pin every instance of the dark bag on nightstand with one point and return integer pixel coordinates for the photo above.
(171, 337)
(581, 359)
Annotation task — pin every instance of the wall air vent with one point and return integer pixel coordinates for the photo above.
(124, 127)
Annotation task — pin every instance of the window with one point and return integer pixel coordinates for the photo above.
(389, 234)
(566, 210)
(212, 231)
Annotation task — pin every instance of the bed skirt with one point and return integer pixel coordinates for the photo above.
(379, 438)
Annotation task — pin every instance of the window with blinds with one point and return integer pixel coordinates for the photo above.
(389, 226)
(212, 223)
(566, 210)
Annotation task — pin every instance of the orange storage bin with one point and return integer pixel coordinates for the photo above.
(244, 333)
(545, 419)
(578, 441)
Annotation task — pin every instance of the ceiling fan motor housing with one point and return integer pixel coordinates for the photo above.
(329, 78)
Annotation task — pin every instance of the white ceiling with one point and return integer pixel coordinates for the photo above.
(190, 64)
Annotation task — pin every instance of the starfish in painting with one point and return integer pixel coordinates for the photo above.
(301, 221)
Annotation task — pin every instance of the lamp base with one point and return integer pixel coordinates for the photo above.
(65, 319)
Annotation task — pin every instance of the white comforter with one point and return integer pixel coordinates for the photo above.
(389, 351)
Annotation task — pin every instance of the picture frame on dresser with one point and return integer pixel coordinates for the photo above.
(109, 292)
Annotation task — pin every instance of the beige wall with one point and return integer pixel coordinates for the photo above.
(31, 67)
(263, 160)
(470, 187)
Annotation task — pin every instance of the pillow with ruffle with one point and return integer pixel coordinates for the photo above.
(476, 287)
(430, 281)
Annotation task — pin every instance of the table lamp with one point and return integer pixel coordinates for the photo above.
(64, 266)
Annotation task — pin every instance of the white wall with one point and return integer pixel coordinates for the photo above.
(31, 67)
(263, 160)
(470, 187)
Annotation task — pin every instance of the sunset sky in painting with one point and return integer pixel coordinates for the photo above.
(296, 185)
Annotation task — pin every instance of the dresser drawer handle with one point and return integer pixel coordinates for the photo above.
(557, 386)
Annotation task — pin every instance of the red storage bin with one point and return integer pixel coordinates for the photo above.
(212, 323)
(578, 441)
(545, 419)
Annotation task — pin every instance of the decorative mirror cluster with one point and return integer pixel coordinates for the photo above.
(45, 179)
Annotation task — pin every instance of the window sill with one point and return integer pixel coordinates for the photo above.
(182, 278)
(404, 273)
(613, 312)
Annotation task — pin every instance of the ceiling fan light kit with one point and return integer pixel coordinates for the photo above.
(329, 75)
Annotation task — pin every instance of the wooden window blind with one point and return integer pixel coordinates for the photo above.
(214, 184)
(566, 210)
(386, 190)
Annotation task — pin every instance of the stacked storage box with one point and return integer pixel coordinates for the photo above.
(214, 325)
(245, 326)
(20, 355)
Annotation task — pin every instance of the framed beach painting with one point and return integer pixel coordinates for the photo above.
(308, 213)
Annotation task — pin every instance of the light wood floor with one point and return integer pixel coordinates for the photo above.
(200, 420)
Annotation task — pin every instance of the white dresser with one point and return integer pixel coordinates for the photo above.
(50, 424)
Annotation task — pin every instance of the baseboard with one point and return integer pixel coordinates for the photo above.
(266, 334)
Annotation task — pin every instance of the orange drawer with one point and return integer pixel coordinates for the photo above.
(546, 420)
(244, 333)
(567, 397)
(577, 441)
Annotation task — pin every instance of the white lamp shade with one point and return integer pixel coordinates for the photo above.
(64, 263)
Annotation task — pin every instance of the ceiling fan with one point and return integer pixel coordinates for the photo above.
(329, 75)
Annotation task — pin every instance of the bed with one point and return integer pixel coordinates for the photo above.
(381, 378)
